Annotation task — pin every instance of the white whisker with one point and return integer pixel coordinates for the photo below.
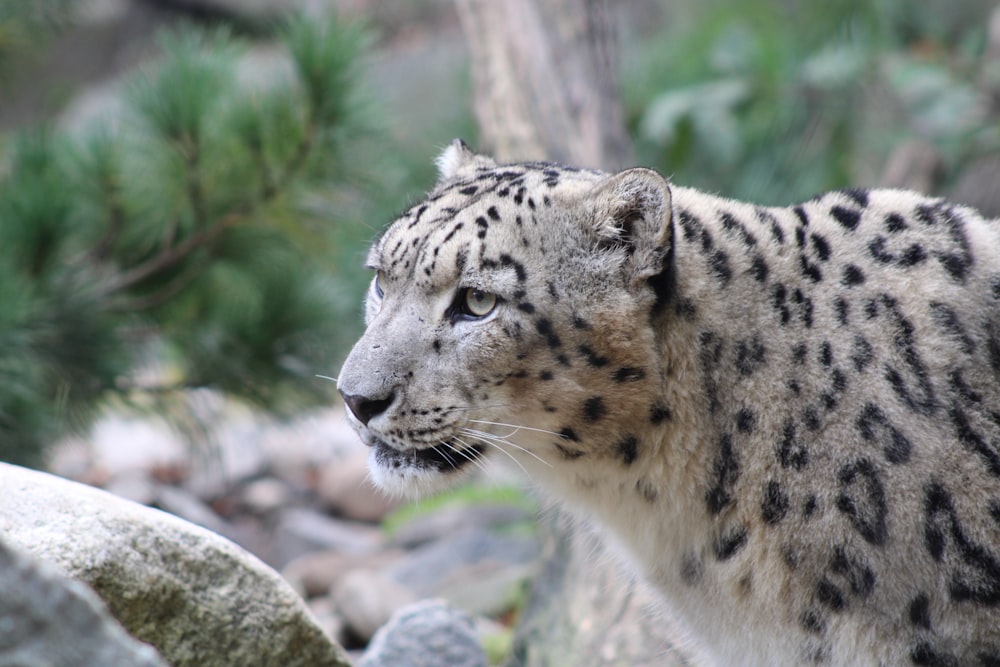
(515, 427)
(327, 377)
(471, 458)
(492, 439)
(498, 448)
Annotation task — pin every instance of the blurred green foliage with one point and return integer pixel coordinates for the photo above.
(193, 241)
(776, 100)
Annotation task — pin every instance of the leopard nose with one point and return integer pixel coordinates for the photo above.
(365, 408)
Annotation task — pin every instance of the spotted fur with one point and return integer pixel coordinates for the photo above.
(789, 418)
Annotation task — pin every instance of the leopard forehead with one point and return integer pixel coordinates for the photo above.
(478, 223)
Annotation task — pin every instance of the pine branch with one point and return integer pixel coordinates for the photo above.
(170, 256)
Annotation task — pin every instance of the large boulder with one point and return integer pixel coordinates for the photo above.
(48, 619)
(198, 598)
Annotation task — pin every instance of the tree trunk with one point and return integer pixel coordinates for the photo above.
(545, 89)
(545, 85)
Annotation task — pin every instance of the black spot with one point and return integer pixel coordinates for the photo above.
(956, 263)
(895, 223)
(629, 374)
(746, 420)
(976, 573)
(779, 297)
(848, 218)
(810, 418)
(973, 440)
(750, 355)
(545, 375)
(875, 426)
(765, 217)
(810, 270)
(921, 400)
(948, 320)
(800, 213)
(709, 355)
(791, 453)
(659, 413)
(493, 213)
(718, 261)
(830, 596)
(507, 261)
(569, 453)
(925, 655)
(791, 557)
(685, 308)
(647, 491)
(774, 507)
(878, 252)
(809, 507)
(592, 357)
(544, 327)
(852, 276)
(569, 434)
(842, 309)
(628, 449)
(854, 570)
(812, 622)
(692, 569)
(758, 267)
(725, 472)
(826, 353)
(800, 237)
(736, 228)
(594, 408)
(871, 309)
(821, 246)
(580, 323)
(858, 195)
(526, 307)
(862, 353)
(912, 256)
(469, 190)
(920, 611)
(799, 352)
(862, 500)
(436, 345)
(806, 307)
(729, 544)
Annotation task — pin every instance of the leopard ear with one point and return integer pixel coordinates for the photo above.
(632, 211)
(457, 158)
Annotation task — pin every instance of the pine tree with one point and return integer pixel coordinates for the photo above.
(179, 232)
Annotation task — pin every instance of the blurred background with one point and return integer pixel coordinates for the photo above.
(188, 187)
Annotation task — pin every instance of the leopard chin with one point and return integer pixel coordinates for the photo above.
(413, 473)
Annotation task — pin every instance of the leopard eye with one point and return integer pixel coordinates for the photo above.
(379, 281)
(478, 303)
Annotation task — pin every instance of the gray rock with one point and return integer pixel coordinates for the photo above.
(264, 496)
(199, 599)
(426, 634)
(346, 487)
(367, 599)
(433, 566)
(314, 574)
(47, 619)
(454, 519)
(300, 530)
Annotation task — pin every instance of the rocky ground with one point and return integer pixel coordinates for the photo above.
(297, 495)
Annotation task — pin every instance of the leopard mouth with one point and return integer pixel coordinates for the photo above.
(443, 458)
